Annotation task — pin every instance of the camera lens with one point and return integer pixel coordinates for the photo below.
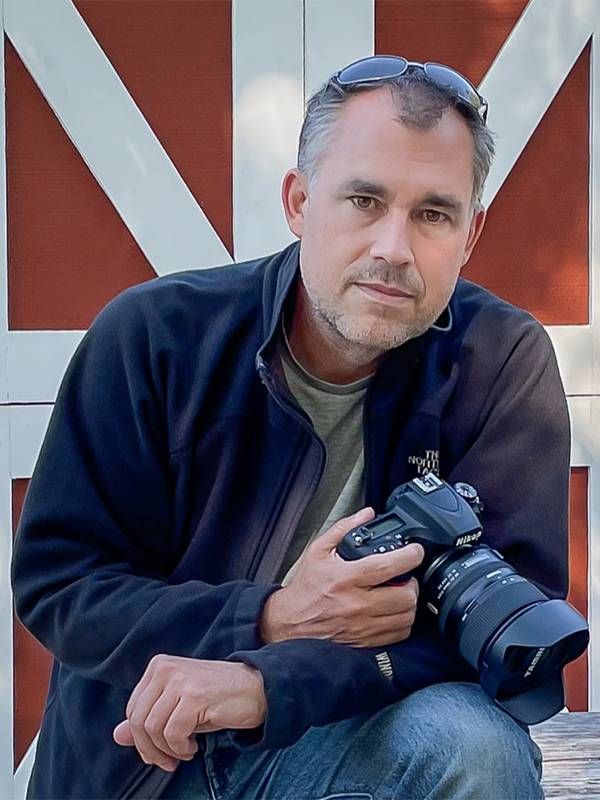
(477, 593)
(491, 614)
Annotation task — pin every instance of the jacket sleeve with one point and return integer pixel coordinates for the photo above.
(95, 538)
(518, 457)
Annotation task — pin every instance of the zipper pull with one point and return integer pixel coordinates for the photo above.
(263, 372)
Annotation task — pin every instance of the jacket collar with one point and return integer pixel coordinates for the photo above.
(281, 273)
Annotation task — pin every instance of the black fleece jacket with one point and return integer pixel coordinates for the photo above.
(174, 471)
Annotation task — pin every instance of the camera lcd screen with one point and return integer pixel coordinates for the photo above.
(387, 526)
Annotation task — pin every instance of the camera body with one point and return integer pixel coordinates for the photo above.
(426, 510)
(516, 638)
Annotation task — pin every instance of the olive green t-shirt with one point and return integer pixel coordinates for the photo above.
(336, 413)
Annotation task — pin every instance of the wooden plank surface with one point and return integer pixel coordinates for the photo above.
(571, 747)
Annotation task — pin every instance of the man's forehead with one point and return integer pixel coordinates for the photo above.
(372, 147)
(370, 111)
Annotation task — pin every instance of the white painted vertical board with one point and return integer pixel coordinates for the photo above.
(574, 347)
(594, 276)
(337, 32)
(267, 51)
(585, 440)
(23, 772)
(585, 452)
(28, 426)
(3, 239)
(6, 632)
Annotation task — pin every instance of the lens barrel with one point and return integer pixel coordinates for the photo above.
(506, 628)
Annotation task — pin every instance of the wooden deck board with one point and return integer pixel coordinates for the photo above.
(571, 747)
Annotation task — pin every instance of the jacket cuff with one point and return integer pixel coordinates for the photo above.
(248, 612)
(282, 726)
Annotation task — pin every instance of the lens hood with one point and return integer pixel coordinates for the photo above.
(549, 634)
(537, 704)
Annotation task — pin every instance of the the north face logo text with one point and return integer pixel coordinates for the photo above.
(430, 462)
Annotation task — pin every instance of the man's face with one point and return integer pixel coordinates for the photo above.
(387, 225)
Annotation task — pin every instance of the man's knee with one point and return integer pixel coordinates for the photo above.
(453, 735)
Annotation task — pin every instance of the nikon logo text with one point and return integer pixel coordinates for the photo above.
(467, 538)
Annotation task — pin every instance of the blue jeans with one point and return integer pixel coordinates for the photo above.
(445, 742)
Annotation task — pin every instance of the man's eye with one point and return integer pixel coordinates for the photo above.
(364, 203)
(433, 216)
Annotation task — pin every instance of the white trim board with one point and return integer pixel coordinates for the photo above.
(37, 361)
(4, 381)
(23, 772)
(336, 33)
(576, 348)
(585, 452)
(28, 425)
(267, 52)
(6, 617)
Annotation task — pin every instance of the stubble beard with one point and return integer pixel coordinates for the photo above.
(369, 338)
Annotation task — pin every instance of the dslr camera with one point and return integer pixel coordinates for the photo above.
(516, 638)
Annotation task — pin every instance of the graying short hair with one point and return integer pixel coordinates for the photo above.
(420, 103)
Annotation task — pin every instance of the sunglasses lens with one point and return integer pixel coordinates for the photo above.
(449, 79)
(377, 68)
(371, 69)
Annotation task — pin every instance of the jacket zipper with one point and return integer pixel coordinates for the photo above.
(267, 571)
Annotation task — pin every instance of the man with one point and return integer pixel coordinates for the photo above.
(212, 424)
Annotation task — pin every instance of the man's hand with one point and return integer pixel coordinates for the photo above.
(178, 697)
(329, 598)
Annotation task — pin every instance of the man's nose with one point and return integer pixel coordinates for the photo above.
(393, 242)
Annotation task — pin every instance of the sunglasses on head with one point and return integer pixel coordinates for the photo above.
(379, 68)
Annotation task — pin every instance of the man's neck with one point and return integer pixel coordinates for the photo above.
(322, 351)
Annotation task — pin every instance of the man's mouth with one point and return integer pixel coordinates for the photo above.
(385, 293)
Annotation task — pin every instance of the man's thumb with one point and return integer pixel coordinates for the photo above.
(334, 535)
(122, 734)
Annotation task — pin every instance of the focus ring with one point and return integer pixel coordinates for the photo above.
(492, 612)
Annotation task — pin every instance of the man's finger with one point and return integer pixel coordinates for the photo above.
(333, 536)
(381, 567)
(140, 686)
(180, 727)
(208, 727)
(141, 701)
(149, 752)
(389, 600)
(122, 734)
(156, 722)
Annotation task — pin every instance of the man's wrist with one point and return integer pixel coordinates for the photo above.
(273, 625)
(258, 689)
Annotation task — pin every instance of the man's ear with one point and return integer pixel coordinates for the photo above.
(477, 223)
(294, 196)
